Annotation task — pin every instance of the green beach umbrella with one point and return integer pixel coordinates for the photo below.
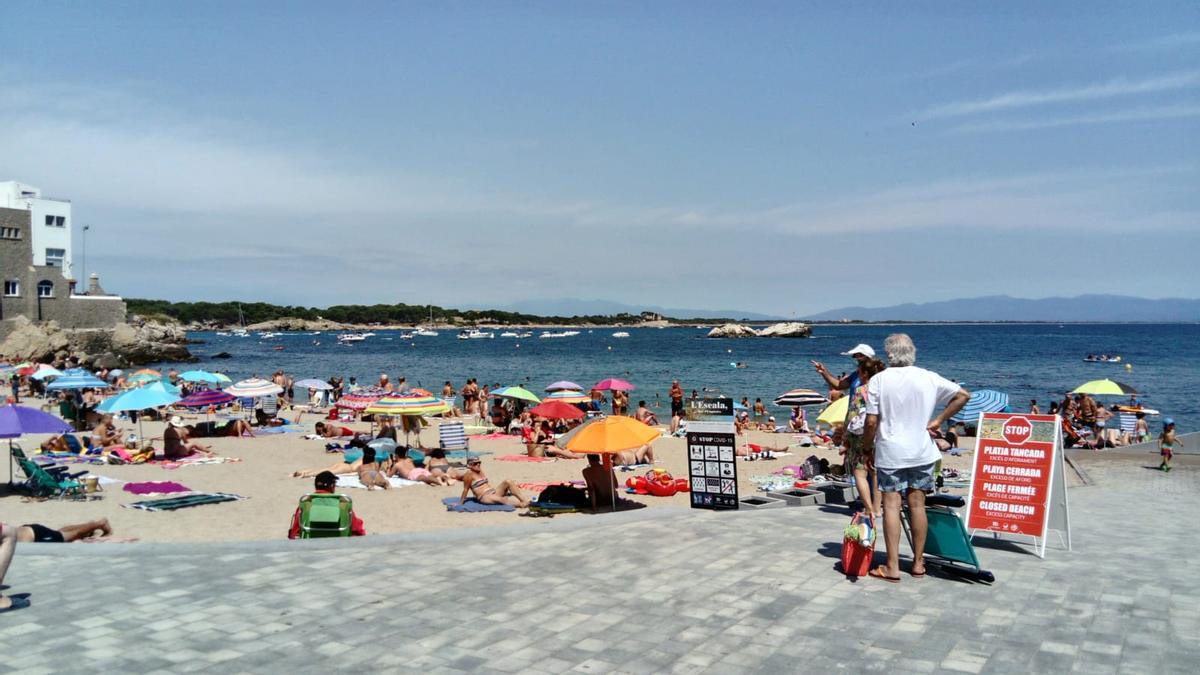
(1104, 387)
(518, 393)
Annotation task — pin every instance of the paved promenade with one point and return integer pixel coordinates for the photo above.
(643, 592)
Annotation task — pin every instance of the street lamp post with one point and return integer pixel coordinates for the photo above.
(83, 264)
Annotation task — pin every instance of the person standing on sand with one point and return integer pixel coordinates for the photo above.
(8, 546)
(900, 402)
(1033, 407)
(676, 395)
(861, 353)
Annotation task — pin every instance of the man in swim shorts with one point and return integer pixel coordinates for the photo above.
(35, 533)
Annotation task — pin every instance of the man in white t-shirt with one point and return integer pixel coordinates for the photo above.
(900, 405)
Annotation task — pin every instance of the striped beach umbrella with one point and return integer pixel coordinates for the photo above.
(981, 401)
(408, 404)
(313, 383)
(205, 398)
(568, 396)
(254, 388)
(801, 397)
(359, 399)
(563, 385)
(77, 378)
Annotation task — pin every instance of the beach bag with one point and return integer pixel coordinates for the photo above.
(858, 550)
(563, 494)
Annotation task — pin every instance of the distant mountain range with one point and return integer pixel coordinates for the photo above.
(1006, 308)
(577, 307)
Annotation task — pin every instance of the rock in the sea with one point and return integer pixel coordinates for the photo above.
(732, 330)
(125, 344)
(788, 329)
(222, 355)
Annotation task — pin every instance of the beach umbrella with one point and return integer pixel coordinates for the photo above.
(143, 378)
(835, 413)
(77, 378)
(608, 435)
(16, 420)
(222, 378)
(517, 393)
(359, 399)
(563, 385)
(568, 396)
(200, 376)
(1104, 387)
(981, 401)
(407, 404)
(45, 371)
(205, 398)
(313, 383)
(613, 384)
(254, 388)
(556, 410)
(154, 395)
(801, 397)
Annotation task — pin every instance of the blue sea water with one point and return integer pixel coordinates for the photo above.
(1028, 361)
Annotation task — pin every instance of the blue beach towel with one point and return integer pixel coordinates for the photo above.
(472, 506)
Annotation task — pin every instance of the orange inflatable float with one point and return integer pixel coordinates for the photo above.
(657, 482)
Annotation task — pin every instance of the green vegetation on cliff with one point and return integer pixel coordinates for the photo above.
(229, 313)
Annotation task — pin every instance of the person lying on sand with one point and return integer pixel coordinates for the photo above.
(642, 455)
(437, 464)
(177, 444)
(236, 428)
(370, 474)
(337, 468)
(476, 482)
(333, 431)
(34, 532)
(403, 466)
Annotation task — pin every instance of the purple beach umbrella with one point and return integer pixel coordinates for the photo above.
(16, 420)
(205, 398)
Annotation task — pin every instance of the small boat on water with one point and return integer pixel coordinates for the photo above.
(352, 337)
(620, 334)
(475, 334)
(1102, 358)
(222, 334)
(547, 334)
(406, 335)
(509, 333)
(425, 332)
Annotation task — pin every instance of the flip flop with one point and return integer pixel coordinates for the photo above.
(881, 573)
(916, 575)
(17, 603)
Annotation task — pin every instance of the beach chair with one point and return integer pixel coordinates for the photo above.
(948, 544)
(323, 514)
(51, 481)
(453, 436)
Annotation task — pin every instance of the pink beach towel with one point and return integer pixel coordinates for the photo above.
(160, 487)
(523, 458)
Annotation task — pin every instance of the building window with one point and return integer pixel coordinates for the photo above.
(56, 221)
(12, 288)
(45, 289)
(54, 257)
(10, 233)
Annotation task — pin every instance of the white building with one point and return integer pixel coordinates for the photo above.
(50, 224)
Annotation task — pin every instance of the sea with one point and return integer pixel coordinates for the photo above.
(1027, 361)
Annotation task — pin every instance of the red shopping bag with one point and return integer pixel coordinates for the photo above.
(856, 556)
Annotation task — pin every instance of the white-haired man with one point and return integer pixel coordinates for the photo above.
(900, 405)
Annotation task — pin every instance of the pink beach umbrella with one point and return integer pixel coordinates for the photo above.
(613, 384)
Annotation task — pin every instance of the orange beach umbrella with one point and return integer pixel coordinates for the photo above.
(607, 435)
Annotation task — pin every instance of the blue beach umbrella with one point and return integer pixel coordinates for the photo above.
(150, 396)
(200, 376)
(982, 401)
(77, 378)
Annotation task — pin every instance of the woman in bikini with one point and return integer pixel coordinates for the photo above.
(370, 474)
(403, 466)
(476, 482)
(437, 464)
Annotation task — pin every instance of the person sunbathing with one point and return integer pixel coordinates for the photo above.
(403, 466)
(336, 469)
(324, 483)
(476, 483)
(642, 455)
(236, 428)
(105, 434)
(56, 444)
(643, 415)
(177, 444)
(66, 534)
(333, 431)
(437, 463)
(370, 474)
(541, 443)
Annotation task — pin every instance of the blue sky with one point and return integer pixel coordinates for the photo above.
(773, 157)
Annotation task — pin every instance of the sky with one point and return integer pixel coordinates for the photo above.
(782, 158)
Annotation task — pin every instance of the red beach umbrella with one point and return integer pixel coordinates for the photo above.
(556, 410)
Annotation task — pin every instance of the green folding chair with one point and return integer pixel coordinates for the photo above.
(324, 515)
(52, 481)
(948, 544)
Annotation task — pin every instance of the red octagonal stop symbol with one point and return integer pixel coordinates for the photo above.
(1017, 430)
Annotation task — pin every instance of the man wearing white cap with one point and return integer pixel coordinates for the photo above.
(861, 353)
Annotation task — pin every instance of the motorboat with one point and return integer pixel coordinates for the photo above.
(406, 335)
(268, 335)
(425, 332)
(547, 334)
(1102, 358)
(620, 334)
(351, 337)
(222, 333)
(475, 334)
(367, 335)
(509, 333)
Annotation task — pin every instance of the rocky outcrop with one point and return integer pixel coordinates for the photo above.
(732, 330)
(295, 324)
(133, 343)
(788, 329)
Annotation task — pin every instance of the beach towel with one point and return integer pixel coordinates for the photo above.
(472, 506)
(493, 435)
(350, 480)
(160, 487)
(523, 458)
(170, 464)
(195, 499)
(537, 488)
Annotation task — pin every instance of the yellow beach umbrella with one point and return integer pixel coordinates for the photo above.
(1104, 387)
(835, 413)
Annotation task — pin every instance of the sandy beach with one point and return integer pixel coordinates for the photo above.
(263, 476)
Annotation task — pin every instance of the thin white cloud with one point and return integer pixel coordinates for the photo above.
(1162, 42)
(1026, 98)
(1137, 115)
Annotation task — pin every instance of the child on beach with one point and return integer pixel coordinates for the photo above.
(1166, 443)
